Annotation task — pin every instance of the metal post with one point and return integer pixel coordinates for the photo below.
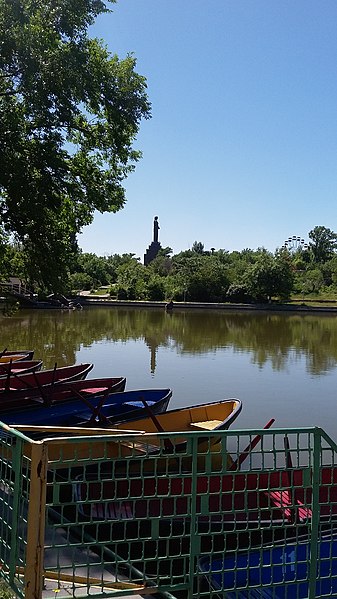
(36, 522)
(315, 515)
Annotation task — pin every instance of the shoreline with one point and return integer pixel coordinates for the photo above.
(302, 308)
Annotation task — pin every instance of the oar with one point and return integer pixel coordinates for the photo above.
(8, 378)
(289, 465)
(14, 375)
(97, 409)
(39, 386)
(167, 442)
(92, 408)
(4, 366)
(3, 352)
(236, 465)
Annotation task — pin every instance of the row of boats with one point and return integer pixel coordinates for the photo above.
(64, 396)
(254, 518)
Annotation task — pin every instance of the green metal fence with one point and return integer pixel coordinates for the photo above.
(238, 514)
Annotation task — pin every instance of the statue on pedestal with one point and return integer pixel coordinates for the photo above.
(154, 246)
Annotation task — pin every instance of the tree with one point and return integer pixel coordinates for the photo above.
(69, 113)
(131, 281)
(323, 243)
(198, 247)
(269, 276)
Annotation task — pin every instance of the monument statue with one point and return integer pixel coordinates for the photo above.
(154, 246)
(156, 228)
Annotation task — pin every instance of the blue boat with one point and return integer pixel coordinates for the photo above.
(278, 572)
(117, 407)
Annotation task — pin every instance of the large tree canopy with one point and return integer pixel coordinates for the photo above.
(323, 243)
(69, 113)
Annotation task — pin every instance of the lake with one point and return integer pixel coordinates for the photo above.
(280, 365)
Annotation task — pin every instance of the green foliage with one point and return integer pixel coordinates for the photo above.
(96, 267)
(155, 288)
(198, 247)
(269, 277)
(313, 281)
(69, 113)
(323, 243)
(80, 281)
(131, 281)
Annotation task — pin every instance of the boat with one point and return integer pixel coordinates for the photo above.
(64, 391)
(17, 388)
(27, 352)
(218, 512)
(211, 417)
(20, 367)
(87, 410)
(13, 358)
(158, 457)
(276, 571)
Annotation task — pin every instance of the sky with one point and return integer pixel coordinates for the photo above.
(241, 149)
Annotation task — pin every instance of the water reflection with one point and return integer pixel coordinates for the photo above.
(273, 339)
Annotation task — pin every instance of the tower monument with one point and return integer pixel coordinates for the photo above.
(154, 246)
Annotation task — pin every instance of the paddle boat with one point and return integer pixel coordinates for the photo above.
(89, 410)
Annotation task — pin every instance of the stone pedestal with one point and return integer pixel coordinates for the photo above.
(151, 252)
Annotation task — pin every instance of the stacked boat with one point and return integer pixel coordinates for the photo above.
(64, 396)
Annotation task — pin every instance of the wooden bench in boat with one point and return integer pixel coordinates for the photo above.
(206, 425)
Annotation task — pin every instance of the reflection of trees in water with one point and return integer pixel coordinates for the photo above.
(56, 336)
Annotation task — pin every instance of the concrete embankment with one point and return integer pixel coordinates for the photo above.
(302, 308)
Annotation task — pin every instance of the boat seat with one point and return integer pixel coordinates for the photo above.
(94, 390)
(138, 404)
(206, 425)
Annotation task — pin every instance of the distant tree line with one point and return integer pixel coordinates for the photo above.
(203, 275)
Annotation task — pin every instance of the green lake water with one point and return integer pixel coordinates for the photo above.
(280, 365)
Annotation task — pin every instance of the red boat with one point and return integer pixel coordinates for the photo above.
(19, 367)
(14, 389)
(63, 392)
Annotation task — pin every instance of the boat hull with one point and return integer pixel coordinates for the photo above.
(74, 412)
(38, 384)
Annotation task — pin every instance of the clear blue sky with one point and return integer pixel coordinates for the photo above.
(241, 150)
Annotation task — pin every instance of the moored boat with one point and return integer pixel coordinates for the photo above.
(214, 416)
(280, 571)
(27, 352)
(20, 367)
(87, 409)
(5, 359)
(64, 391)
(35, 384)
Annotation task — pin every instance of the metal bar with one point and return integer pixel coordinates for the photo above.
(108, 553)
(17, 491)
(315, 514)
(36, 522)
(194, 539)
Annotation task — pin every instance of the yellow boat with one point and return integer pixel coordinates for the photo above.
(210, 417)
(13, 358)
(147, 452)
(213, 416)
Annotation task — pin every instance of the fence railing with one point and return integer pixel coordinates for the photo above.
(109, 514)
